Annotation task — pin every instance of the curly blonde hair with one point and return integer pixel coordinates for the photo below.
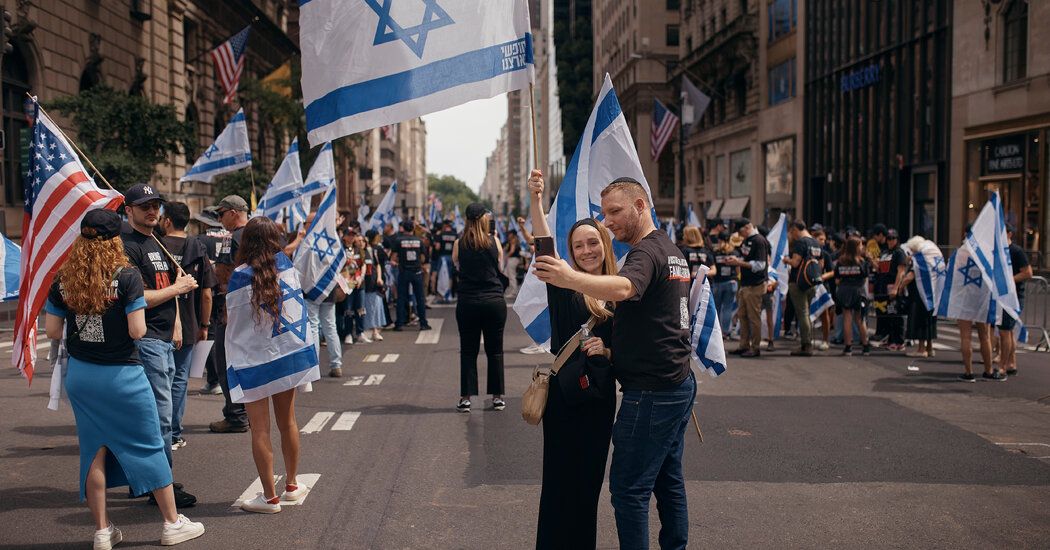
(88, 272)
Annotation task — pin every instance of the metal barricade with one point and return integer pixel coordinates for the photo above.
(1036, 311)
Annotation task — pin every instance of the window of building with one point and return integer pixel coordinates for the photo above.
(16, 129)
(672, 35)
(672, 5)
(783, 16)
(665, 189)
(782, 82)
(1015, 41)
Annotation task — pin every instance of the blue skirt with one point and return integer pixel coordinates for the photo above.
(374, 312)
(114, 408)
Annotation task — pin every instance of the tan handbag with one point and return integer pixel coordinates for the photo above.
(534, 402)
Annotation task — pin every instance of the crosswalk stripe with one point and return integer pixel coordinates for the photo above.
(354, 381)
(390, 358)
(433, 335)
(371, 358)
(374, 379)
(317, 423)
(346, 421)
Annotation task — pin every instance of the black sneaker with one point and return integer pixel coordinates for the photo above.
(398, 328)
(226, 427)
(847, 351)
(182, 498)
(424, 327)
(739, 351)
(770, 346)
(464, 405)
(967, 377)
(995, 375)
(498, 404)
(1011, 372)
(866, 350)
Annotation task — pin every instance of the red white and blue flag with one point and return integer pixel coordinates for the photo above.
(58, 192)
(229, 62)
(664, 124)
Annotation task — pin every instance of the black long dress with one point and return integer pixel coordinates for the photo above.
(577, 431)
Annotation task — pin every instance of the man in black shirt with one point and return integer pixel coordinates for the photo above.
(892, 265)
(804, 248)
(163, 282)
(444, 239)
(233, 214)
(650, 358)
(754, 271)
(410, 253)
(1022, 271)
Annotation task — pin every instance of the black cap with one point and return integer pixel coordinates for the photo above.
(740, 222)
(100, 224)
(140, 194)
(816, 227)
(407, 225)
(232, 202)
(476, 210)
(892, 234)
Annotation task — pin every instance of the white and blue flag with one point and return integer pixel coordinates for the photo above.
(705, 333)
(501, 232)
(286, 187)
(268, 354)
(444, 282)
(321, 176)
(230, 152)
(691, 218)
(821, 302)
(11, 260)
(457, 222)
(964, 294)
(606, 152)
(298, 212)
(779, 271)
(512, 225)
(670, 231)
(369, 63)
(320, 257)
(384, 213)
(928, 265)
(990, 248)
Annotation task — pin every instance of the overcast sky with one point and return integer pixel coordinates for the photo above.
(459, 139)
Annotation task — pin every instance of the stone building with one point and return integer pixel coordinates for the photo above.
(381, 156)
(158, 48)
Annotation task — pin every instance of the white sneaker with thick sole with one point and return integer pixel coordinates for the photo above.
(293, 496)
(107, 538)
(377, 337)
(180, 531)
(349, 340)
(260, 505)
(364, 338)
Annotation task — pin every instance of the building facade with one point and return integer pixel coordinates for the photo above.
(1000, 137)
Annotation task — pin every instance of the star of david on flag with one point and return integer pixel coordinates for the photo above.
(324, 244)
(971, 273)
(293, 318)
(320, 262)
(415, 37)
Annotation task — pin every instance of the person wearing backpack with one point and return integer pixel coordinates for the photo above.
(806, 270)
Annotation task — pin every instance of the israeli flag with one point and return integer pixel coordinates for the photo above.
(928, 265)
(705, 333)
(989, 246)
(230, 152)
(384, 213)
(362, 216)
(321, 176)
(444, 282)
(779, 271)
(692, 219)
(821, 302)
(320, 257)
(670, 231)
(606, 152)
(10, 277)
(512, 225)
(285, 188)
(965, 295)
(435, 215)
(371, 63)
(267, 355)
(457, 222)
(298, 212)
(500, 231)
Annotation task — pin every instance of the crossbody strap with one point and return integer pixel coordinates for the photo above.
(570, 346)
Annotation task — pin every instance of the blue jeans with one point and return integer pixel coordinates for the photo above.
(724, 294)
(648, 439)
(322, 319)
(159, 362)
(404, 279)
(183, 358)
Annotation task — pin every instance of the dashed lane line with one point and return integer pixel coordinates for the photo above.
(371, 380)
(390, 358)
(317, 423)
(371, 358)
(346, 421)
(431, 336)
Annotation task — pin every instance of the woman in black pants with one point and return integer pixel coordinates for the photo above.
(581, 402)
(481, 307)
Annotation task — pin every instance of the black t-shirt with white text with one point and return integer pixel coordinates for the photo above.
(102, 339)
(723, 271)
(697, 256)
(886, 274)
(411, 252)
(443, 243)
(157, 273)
(852, 274)
(754, 249)
(651, 329)
(807, 248)
(192, 254)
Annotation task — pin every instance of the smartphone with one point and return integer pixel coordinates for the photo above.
(544, 246)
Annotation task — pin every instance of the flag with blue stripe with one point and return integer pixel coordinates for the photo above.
(320, 257)
(321, 176)
(458, 223)
(820, 303)
(370, 63)
(11, 259)
(298, 212)
(230, 152)
(444, 282)
(267, 354)
(671, 232)
(990, 248)
(501, 232)
(691, 217)
(512, 225)
(384, 213)
(606, 152)
(286, 187)
(705, 333)
(964, 294)
(779, 271)
(928, 265)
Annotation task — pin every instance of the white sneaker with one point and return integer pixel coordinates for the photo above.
(533, 349)
(292, 496)
(349, 340)
(180, 531)
(107, 538)
(364, 338)
(822, 346)
(377, 337)
(260, 505)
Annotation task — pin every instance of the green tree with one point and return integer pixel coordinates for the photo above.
(240, 183)
(125, 136)
(452, 191)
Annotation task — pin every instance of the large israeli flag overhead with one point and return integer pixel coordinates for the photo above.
(989, 246)
(384, 213)
(705, 333)
(606, 152)
(286, 187)
(230, 152)
(321, 176)
(320, 257)
(369, 63)
(267, 354)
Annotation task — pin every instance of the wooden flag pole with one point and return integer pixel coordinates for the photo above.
(697, 424)
(535, 142)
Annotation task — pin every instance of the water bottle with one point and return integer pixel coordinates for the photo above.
(585, 334)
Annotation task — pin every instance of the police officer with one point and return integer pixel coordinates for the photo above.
(410, 253)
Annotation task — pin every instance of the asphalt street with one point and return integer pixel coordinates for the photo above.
(858, 452)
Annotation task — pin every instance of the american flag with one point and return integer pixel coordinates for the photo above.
(389, 132)
(58, 192)
(664, 124)
(229, 62)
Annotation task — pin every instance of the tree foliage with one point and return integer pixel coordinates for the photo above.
(452, 191)
(125, 136)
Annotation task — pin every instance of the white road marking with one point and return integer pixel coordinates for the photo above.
(390, 358)
(309, 480)
(317, 423)
(354, 381)
(346, 421)
(371, 358)
(433, 335)
(374, 379)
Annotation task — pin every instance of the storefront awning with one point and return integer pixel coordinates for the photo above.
(712, 210)
(734, 208)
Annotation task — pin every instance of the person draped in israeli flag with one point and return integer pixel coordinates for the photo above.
(286, 187)
(372, 63)
(705, 333)
(384, 213)
(822, 300)
(966, 297)
(321, 176)
(923, 282)
(779, 272)
(230, 152)
(269, 351)
(11, 260)
(989, 247)
(692, 219)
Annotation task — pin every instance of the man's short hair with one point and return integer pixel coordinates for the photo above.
(178, 213)
(798, 225)
(878, 229)
(1010, 228)
(629, 186)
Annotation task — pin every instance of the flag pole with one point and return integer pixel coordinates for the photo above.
(535, 142)
(697, 424)
(251, 174)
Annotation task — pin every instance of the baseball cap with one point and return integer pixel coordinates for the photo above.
(100, 224)
(209, 216)
(140, 194)
(232, 202)
(892, 234)
(739, 223)
(475, 210)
